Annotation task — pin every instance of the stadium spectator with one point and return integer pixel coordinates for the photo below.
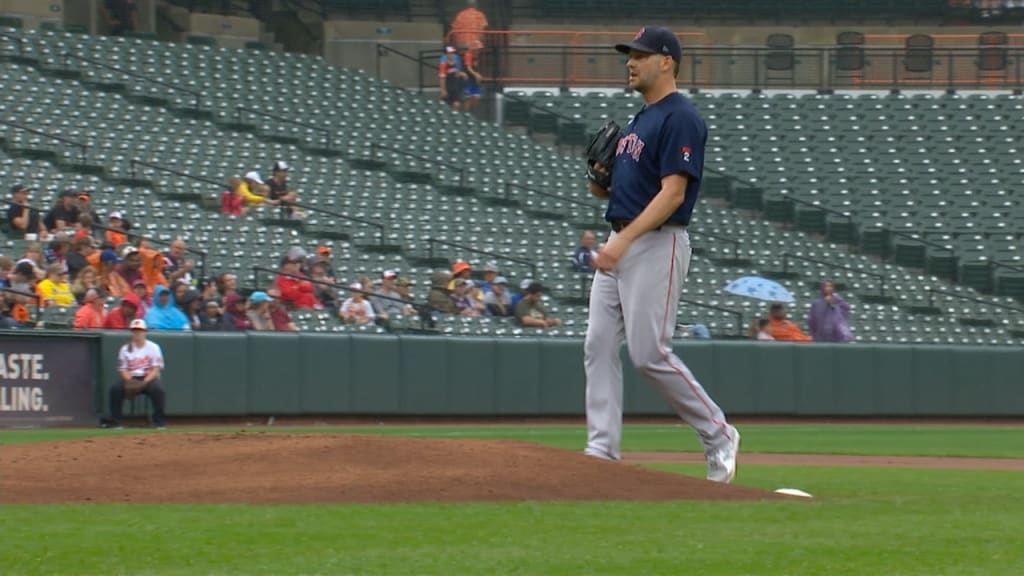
(139, 363)
(23, 278)
(6, 267)
(78, 257)
(356, 309)
(490, 272)
(389, 305)
(57, 250)
(235, 317)
(462, 302)
(471, 91)
(451, 77)
(7, 319)
(91, 314)
(152, 265)
(190, 304)
(119, 16)
(583, 258)
(110, 281)
(54, 290)
(460, 269)
(279, 314)
(468, 25)
(226, 283)
(252, 189)
(530, 312)
(828, 319)
(438, 298)
(296, 291)
(278, 193)
(176, 266)
(523, 285)
(323, 254)
(141, 291)
(34, 256)
(781, 328)
(322, 289)
(129, 270)
(211, 318)
(207, 289)
(402, 287)
(64, 213)
(117, 235)
(259, 311)
(84, 229)
(760, 330)
(22, 218)
(85, 281)
(164, 315)
(122, 315)
(179, 290)
(231, 200)
(498, 302)
(84, 204)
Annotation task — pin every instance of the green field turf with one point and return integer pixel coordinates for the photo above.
(866, 521)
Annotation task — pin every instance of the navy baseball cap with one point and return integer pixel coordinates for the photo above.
(655, 40)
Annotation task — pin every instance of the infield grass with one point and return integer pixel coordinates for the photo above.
(865, 521)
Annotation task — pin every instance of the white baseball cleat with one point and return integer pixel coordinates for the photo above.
(599, 454)
(722, 463)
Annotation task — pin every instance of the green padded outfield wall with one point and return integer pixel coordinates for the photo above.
(235, 374)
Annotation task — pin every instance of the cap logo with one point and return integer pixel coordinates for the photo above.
(640, 33)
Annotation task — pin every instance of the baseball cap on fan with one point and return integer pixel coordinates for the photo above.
(655, 40)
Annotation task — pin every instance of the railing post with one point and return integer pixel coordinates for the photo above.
(133, 169)
(430, 248)
(785, 262)
(380, 234)
(882, 285)
(462, 178)
(931, 298)
(508, 190)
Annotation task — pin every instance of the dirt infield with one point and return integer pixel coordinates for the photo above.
(257, 467)
(949, 463)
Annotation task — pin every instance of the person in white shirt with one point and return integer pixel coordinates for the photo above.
(357, 309)
(139, 364)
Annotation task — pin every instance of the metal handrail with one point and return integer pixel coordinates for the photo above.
(136, 161)
(19, 39)
(787, 255)
(195, 93)
(933, 291)
(84, 147)
(462, 171)
(731, 241)
(596, 208)
(738, 313)
(381, 228)
(239, 109)
(432, 241)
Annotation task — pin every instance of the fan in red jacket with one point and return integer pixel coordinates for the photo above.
(120, 317)
(295, 291)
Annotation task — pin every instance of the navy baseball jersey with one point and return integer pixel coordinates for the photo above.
(667, 137)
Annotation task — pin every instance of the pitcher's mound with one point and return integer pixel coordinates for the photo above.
(259, 467)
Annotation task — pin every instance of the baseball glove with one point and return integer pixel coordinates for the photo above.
(602, 151)
(132, 387)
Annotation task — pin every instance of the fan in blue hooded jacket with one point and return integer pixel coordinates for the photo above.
(164, 315)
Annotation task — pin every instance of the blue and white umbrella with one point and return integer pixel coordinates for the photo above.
(760, 288)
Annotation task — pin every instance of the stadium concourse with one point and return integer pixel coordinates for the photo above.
(939, 167)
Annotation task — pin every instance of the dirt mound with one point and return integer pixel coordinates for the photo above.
(249, 467)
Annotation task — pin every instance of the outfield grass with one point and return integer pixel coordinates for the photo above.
(865, 520)
(889, 440)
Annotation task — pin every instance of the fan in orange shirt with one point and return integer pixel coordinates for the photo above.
(468, 26)
(781, 328)
(153, 268)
